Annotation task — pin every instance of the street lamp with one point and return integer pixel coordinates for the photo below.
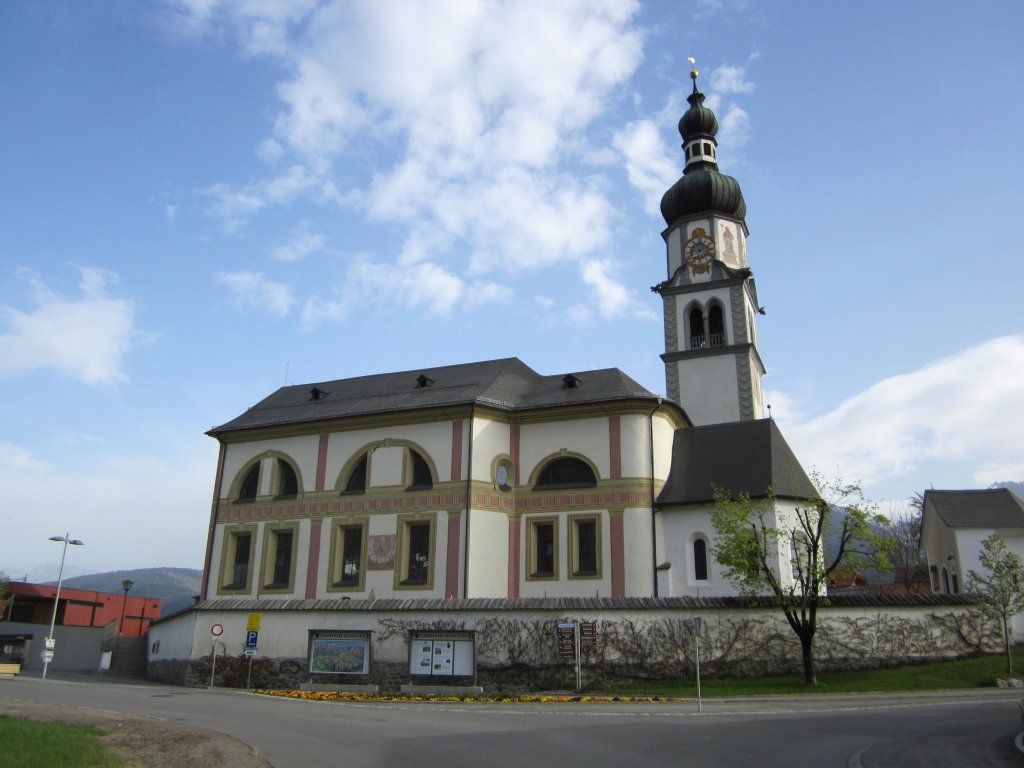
(50, 643)
(125, 585)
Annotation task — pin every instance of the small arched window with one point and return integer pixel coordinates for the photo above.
(945, 580)
(250, 485)
(287, 480)
(357, 479)
(700, 560)
(697, 338)
(566, 472)
(421, 477)
(716, 326)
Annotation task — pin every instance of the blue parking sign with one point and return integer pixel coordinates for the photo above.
(250, 638)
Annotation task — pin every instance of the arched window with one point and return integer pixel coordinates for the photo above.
(945, 580)
(700, 560)
(566, 472)
(421, 477)
(716, 326)
(697, 338)
(357, 479)
(287, 481)
(250, 485)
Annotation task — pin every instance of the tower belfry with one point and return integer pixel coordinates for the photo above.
(712, 365)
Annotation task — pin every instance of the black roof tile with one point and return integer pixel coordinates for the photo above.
(991, 508)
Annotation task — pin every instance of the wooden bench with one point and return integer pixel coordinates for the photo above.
(10, 669)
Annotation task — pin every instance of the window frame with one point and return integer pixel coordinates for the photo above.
(575, 571)
(281, 468)
(533, 572)
(229, 549)
(268, 564)
(336, 563)
(546, 465)
(243, 481)
(702, 540)
(402, 551)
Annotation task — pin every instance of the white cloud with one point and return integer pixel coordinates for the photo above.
(648, 163)
(961, 413)
(252, 290)
(613, 299)
(470, 112)
(730, 78)
(86, 337)
(302, 244)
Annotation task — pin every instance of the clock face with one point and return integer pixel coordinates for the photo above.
(699, 250)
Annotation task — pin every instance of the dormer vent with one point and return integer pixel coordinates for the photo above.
(571, 382)
(317, 394)
(422, 381)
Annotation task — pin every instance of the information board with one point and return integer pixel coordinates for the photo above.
(339, 653)
(442, 654)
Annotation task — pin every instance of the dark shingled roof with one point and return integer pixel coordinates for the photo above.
(993, 508)
(507, 384)
(742, 457)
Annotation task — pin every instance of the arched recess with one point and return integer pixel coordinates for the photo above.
(716, 324)
(564, 470)
(695, 332)
(418, 471)
(699, 552)
(245, 485)
(945, 580)
(285, 478)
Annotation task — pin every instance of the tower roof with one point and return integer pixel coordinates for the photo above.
(702, 188)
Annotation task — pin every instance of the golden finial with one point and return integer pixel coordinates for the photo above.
(693, 72)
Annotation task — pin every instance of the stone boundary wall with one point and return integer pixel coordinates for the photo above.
(516, 650)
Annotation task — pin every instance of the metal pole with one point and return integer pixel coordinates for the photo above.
(213, 664)
(56, 600)
(576, 637)
(696, 637)
(248, 679)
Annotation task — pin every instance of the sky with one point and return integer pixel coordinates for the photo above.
(201, 201)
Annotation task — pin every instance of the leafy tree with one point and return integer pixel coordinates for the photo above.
(1000, 594)
(775, 555)
(906, 558)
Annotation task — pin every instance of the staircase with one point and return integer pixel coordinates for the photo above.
(129, 657)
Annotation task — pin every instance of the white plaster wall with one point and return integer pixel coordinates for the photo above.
(488, 558)
(176, 636)
(674, 250)
(302, 450)
(677, 529)
(589, 437)
(386, 466)
(490, 439)
(635, 431)
(664, 435)
(707, 387)
(637, 546)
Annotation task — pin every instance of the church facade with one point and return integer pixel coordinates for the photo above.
(490, 480)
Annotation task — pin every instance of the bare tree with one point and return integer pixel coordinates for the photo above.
(910, 569)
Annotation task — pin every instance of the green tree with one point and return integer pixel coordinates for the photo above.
(1000, 594)
(909, 567)
(775, 553)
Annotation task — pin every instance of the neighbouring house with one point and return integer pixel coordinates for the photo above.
(955, 524)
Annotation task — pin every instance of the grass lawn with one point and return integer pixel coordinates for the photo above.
(978, 672)
(30, 744)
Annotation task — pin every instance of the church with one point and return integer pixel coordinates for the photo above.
(491, 480)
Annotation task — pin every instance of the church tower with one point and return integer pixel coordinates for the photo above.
(712, 366)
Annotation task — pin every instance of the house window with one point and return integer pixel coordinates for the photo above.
(566, 472)
(416, 550)
(347, 556)
(697, 338)
(716, 326)
(700, 560)
(542, 549)
(279, 558)
(250, 485)
(585, 546)
(237, 560)
(356, 482)
(287, 480)
(421, 477)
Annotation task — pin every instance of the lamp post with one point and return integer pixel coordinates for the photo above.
(125, 585)
(50, 643)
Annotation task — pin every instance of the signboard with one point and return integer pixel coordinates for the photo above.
(217, 630)
(51, 643)
(251, 638)
(339, 653)
(567, 642)
(588, 634)
(253, 622)
(250, 652)
(444, 654)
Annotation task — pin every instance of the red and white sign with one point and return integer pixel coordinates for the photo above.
(217, 630)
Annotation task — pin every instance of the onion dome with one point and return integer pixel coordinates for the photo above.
(702, 188)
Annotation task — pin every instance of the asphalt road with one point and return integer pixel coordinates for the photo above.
(974, 728)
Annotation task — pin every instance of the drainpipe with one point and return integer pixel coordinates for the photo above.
(469, 503)
(654, 528)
